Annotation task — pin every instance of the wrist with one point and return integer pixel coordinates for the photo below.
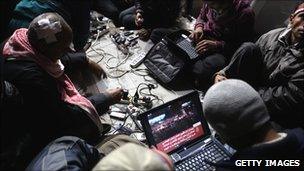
(198, 27)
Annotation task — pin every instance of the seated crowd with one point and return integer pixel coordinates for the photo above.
(255, 91)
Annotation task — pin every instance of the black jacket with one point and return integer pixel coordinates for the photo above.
(283, 78)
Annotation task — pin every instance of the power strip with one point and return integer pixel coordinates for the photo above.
(138, 60)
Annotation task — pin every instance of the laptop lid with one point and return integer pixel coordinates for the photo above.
(175, 125)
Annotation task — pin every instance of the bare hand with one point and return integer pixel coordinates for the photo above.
(197, 35)
(219, 78)
(96, 69)
(139, 20)
(206, 46)
(115, 95)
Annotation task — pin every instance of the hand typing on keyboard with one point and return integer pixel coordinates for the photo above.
(207, 46)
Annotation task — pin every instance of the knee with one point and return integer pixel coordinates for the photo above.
(210, 64)
(121, 16)
(250, 47)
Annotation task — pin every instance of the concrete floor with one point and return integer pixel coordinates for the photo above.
(105, 53)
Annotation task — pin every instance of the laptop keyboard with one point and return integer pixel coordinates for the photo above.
(211, 153)
(188, 48)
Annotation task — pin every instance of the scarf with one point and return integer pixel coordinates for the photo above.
(18, 46)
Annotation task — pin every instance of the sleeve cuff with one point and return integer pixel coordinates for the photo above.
(139, 11)
(101, 102)
(198, 25)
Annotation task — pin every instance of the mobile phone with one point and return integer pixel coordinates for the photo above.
(132, 38)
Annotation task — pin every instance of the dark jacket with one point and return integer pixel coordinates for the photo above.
(230, 29)
(66, 153)
(289, 148)
(42, 100)
(75, 12)
(283, 78)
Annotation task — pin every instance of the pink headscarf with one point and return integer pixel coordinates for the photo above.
(18, 46)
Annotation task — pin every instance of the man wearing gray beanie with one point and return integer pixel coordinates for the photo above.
(238, 114)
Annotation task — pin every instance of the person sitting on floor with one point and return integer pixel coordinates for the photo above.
(112, 8)
(77, 15)
(239, 116)
(75, 12)
(274, 66)
(221, 27)
(150, 14)
(52, 105)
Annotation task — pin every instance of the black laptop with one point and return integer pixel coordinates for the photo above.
(186, 45)
(179, 129)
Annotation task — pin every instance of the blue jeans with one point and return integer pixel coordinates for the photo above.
(127, 18)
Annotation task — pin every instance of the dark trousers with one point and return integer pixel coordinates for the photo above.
(152, 19)
(246, 64)
(205, 68)
(127, 18)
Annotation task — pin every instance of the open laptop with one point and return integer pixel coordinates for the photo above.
(179, 129)
(187, 46)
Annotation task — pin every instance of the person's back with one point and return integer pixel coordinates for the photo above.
(238, 114)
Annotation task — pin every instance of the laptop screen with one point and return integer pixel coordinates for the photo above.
(175, 124)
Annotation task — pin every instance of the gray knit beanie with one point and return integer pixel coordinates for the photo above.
(233, 108)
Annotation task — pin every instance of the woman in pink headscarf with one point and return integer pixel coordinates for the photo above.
(53, 107)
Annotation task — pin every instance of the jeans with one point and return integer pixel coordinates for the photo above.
(127, 18)
(109, 9)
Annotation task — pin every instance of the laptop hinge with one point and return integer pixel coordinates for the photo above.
(190, 151)
(176, 157)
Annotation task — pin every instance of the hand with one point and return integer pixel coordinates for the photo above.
(139, 20)
(115, 95)
(197, 34)
(219, 78)
(206, 46)
(96, 69)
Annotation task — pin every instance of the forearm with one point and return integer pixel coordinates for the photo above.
(199, 20)
(73, 61)
(101, 102)
(138, 6)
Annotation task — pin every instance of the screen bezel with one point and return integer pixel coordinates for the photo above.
(146, 126)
